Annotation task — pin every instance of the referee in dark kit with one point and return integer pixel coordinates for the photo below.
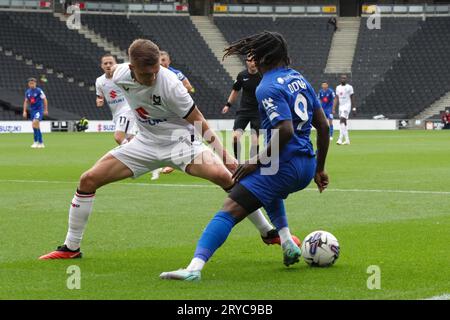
(248, 80)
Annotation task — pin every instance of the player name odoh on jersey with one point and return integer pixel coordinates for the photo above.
(296, 86)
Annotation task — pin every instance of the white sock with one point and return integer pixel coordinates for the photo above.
(346, 133)
(79, 212)
(285, 235)
(260, 222)
(342, 131)
(196, 264)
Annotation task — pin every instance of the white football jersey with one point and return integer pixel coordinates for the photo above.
(159, 109)
(344, 93)
(113, 95)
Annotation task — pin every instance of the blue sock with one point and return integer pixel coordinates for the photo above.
(35, 135)
(214, 235)
(331, 130)
(277, 214)
(39, 134)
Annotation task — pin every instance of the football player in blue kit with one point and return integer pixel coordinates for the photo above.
(326, 97)
(36, 99)
(288, 108)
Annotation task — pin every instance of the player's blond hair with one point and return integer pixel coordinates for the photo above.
(143, 52)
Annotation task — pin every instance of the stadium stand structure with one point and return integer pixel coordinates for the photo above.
(66, 100)
(375, 53)
(44, 40)
(418, 76)
(308, 40)
(397, 71)
(194, 58)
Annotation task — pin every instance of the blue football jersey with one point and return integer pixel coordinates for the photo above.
(284, 94)
(35, 97)
(179, 74)
(326, 98)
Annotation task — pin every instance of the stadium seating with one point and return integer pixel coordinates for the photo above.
(397, 71)
(48, 41)
(376, 50)
(194, 58)
(308, 39)
(66, 100)
(418, 76)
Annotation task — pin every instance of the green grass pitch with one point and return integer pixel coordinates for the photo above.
(388, 204)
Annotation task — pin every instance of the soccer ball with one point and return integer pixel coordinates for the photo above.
(320, 249)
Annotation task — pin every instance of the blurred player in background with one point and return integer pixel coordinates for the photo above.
(36, 99)
(345, 101)
(165, 62)
(247, 112)
(106, 89)
(166, 115)
(326, 97)
(289, 106)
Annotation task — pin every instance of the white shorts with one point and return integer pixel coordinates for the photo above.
(143, 157)
(344, 112)
(126, 123)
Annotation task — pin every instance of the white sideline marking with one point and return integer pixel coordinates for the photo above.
(445, 296)
(173, 185)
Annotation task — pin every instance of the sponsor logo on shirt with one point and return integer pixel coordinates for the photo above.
(144, 117)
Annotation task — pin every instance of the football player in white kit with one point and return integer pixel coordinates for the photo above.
(106, 89)
(345, 100)
(166, 115)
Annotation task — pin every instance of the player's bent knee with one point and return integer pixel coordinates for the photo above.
(88, 182)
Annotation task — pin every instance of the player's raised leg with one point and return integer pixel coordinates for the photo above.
(108, 169)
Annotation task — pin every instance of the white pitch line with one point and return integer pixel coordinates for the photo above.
(445, 296)
(174, 185)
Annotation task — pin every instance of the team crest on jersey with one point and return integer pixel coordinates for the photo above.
(156, 100)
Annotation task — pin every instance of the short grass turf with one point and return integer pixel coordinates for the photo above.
(140, 228)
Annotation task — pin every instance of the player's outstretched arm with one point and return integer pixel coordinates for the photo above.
(25, 105)
(335, 103)
(100, 101)
(45, 107)
(320, 122)
(195, 118)
(231, 99)
(188, 85)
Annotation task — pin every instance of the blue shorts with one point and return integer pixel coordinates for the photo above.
(292, 176)
(328, 113)
(36, 115)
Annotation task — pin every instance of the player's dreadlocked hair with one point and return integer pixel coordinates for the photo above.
(267, 48)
